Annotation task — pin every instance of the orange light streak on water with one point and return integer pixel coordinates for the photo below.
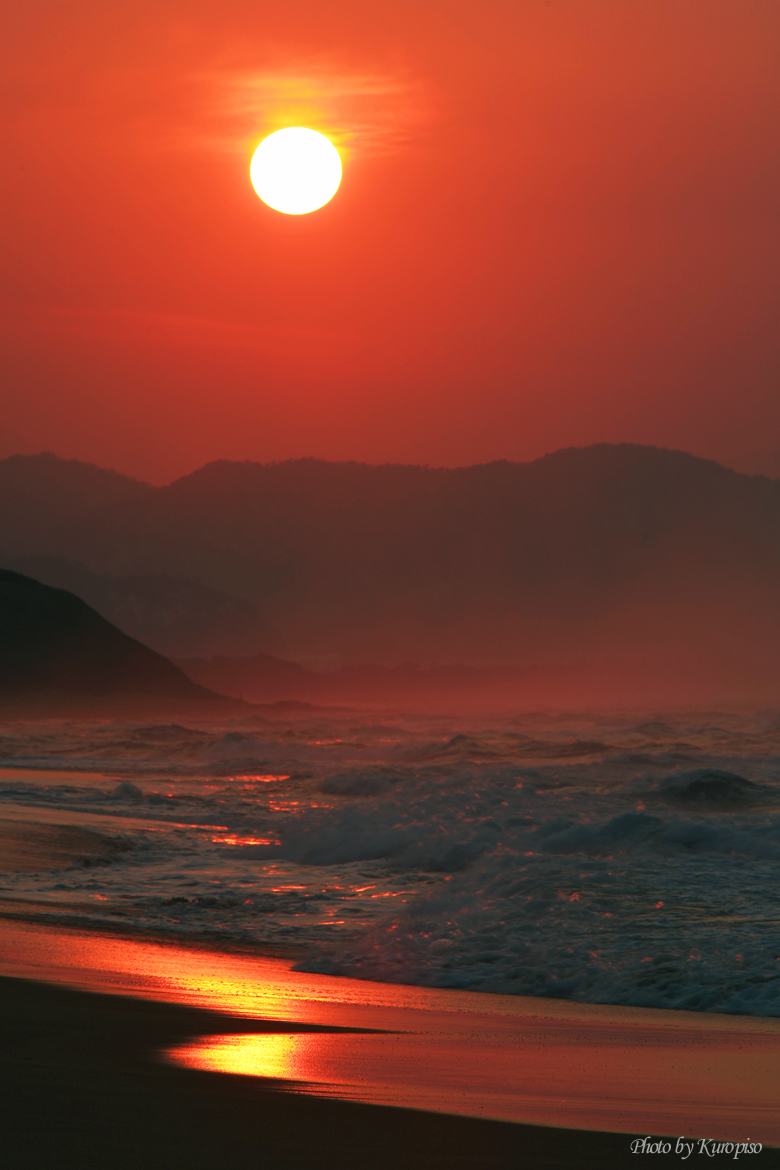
(234, 839)
(264, 779)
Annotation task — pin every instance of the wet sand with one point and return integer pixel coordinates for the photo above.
(80, 1089)
(232, 1060)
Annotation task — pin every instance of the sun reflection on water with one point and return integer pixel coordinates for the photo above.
(236, 839)
(333, 1062)
(278, 1056)
(542, 1062)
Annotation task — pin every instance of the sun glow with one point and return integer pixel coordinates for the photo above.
(296, 170)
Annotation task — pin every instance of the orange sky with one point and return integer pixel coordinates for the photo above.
(558, 224)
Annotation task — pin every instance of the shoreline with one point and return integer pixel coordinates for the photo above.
(217, 943)
(218, 946)
(551, 1066)
(79, 1090)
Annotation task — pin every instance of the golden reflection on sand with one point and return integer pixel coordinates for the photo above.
(561, 1077)
(543, 1062)
(277, 1056)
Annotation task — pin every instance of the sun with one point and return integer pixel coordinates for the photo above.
(296, 170)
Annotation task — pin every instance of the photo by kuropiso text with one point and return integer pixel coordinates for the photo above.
(685, 1148)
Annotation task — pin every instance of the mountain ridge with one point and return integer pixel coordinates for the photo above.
(613, 549)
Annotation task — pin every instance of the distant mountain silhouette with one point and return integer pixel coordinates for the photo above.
(631, 553)
(45, 500)
(56, 652)
(598, 682)
(261, 678)
(764, 461)
(41, 496)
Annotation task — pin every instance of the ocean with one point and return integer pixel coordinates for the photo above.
(616, 859)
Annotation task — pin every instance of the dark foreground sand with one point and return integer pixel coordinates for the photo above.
(80, 1088)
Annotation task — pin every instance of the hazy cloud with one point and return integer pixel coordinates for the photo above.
(370, 113)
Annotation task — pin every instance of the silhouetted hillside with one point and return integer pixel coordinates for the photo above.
(173, 615)
(627, 552)
(57, 652)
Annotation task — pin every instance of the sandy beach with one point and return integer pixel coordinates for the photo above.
(124, 1051)
(80, 1090)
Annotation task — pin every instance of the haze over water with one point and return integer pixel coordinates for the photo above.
(607, 859)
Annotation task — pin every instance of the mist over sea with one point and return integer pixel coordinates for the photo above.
(608, 859)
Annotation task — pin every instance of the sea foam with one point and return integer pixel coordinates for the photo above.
(625, 861)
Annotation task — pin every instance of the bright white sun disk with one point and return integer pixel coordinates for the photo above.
(296, 170)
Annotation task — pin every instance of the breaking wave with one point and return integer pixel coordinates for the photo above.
(606, 860)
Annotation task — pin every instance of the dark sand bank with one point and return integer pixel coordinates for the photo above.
(80, 1087)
